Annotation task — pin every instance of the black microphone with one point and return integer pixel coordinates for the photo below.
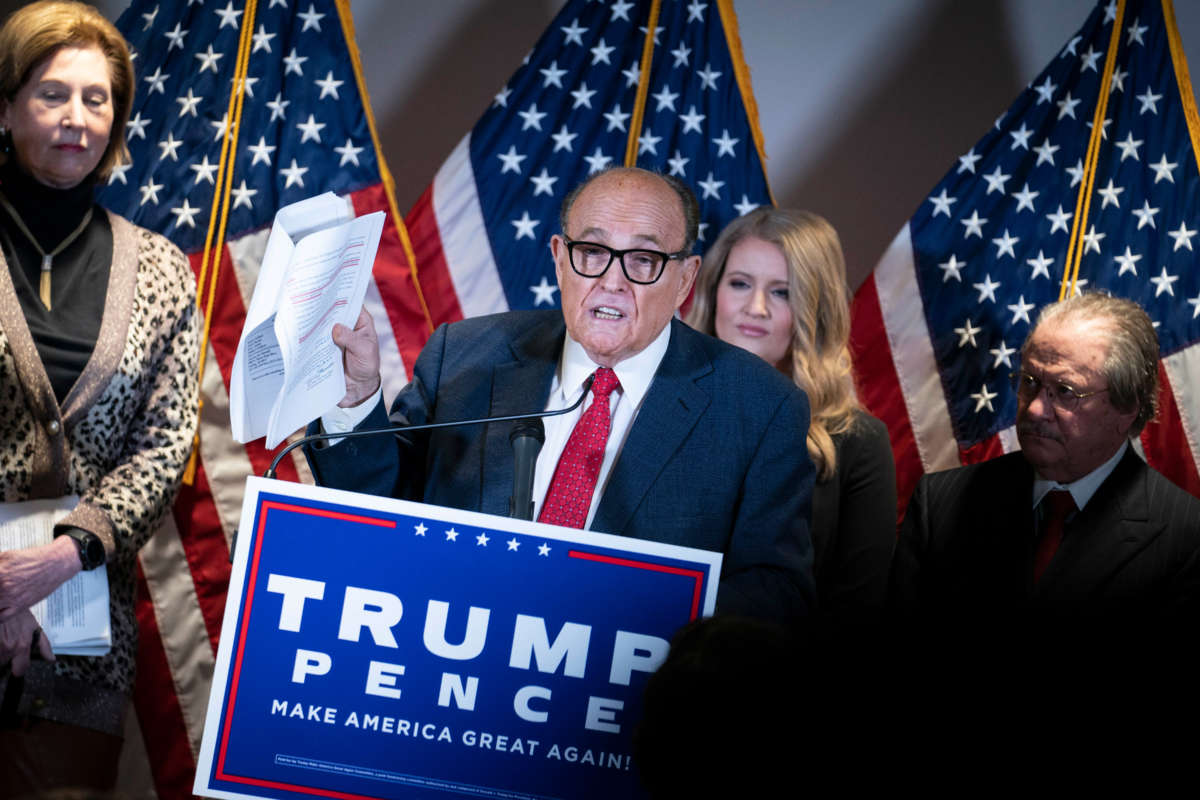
(402, 429)
(526, 437)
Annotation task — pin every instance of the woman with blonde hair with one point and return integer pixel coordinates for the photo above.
(99, 342)
(774, 283)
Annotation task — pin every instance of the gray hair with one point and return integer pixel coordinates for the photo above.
(687, 201)
(1131, 365)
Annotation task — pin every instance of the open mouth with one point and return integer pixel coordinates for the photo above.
(606, 312)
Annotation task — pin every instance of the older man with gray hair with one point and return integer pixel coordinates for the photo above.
(1075, 525)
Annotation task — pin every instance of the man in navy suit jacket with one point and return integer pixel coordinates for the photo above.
(707, 446)
(980, 540)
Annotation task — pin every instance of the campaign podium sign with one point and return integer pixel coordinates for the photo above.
(378, 648)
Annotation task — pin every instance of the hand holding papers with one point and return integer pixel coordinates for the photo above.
(287, 370)
(76, 615)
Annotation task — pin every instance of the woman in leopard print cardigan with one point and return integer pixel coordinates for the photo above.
(98, 390)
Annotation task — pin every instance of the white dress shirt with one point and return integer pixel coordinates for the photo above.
(574, 367)
(1082, 489)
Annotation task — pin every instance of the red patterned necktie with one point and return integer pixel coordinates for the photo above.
(570, 492)
(1059, 505)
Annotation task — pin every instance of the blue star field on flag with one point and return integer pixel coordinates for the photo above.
(303, 129)
(567, 111)
(991, 240)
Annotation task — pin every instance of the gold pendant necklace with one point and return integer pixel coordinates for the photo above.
(47, 258)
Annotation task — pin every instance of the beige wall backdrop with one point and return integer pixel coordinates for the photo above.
(864, 103)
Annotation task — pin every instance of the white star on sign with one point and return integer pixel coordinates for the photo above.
(942, 203)
(543, 183)
(204, 171)
(311, 129)
(294, 174)
(513, 544)
(349, 153)
(452, 535)
(543, 549)
(185, 215)
(1041, 265)
(511, 160)
(711, 187)
(420, 529)
(525, 226)
(543, 292)
(1163, 283)
(1020, 311)
(481, 540)
(987, 289)
(983, 399)
(952, 269)
(329, 86)
(242, 195)
(966, 334)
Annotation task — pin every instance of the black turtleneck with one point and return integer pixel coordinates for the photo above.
(66, 334)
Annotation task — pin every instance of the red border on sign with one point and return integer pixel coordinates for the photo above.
(696, 576)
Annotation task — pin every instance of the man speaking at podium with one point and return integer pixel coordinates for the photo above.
(684, 439)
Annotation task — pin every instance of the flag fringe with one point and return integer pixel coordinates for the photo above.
(741, 72)
(389, 185)
(1182, 78)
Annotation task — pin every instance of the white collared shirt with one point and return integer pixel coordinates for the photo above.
(1082, 489)
(634, 373)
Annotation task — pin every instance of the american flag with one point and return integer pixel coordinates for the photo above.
(479, 231)
(303, 130)
(939, 324)
(482, 229)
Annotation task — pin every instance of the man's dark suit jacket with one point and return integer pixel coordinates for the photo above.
(966, 547)
(715, 459)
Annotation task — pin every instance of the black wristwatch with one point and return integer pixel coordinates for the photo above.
(91, 549)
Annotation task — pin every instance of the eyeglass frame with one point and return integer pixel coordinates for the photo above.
(1058, 400)
(619, 255)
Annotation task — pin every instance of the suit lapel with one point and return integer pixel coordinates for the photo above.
(670, 410)
(1113, 527)
(520, 386)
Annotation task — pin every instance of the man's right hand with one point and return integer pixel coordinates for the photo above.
(360, 359)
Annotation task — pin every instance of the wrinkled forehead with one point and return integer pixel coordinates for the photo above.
(638, 205)
(1072, 344)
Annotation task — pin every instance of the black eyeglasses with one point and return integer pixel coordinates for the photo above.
(1059, 394)
(591, 260)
